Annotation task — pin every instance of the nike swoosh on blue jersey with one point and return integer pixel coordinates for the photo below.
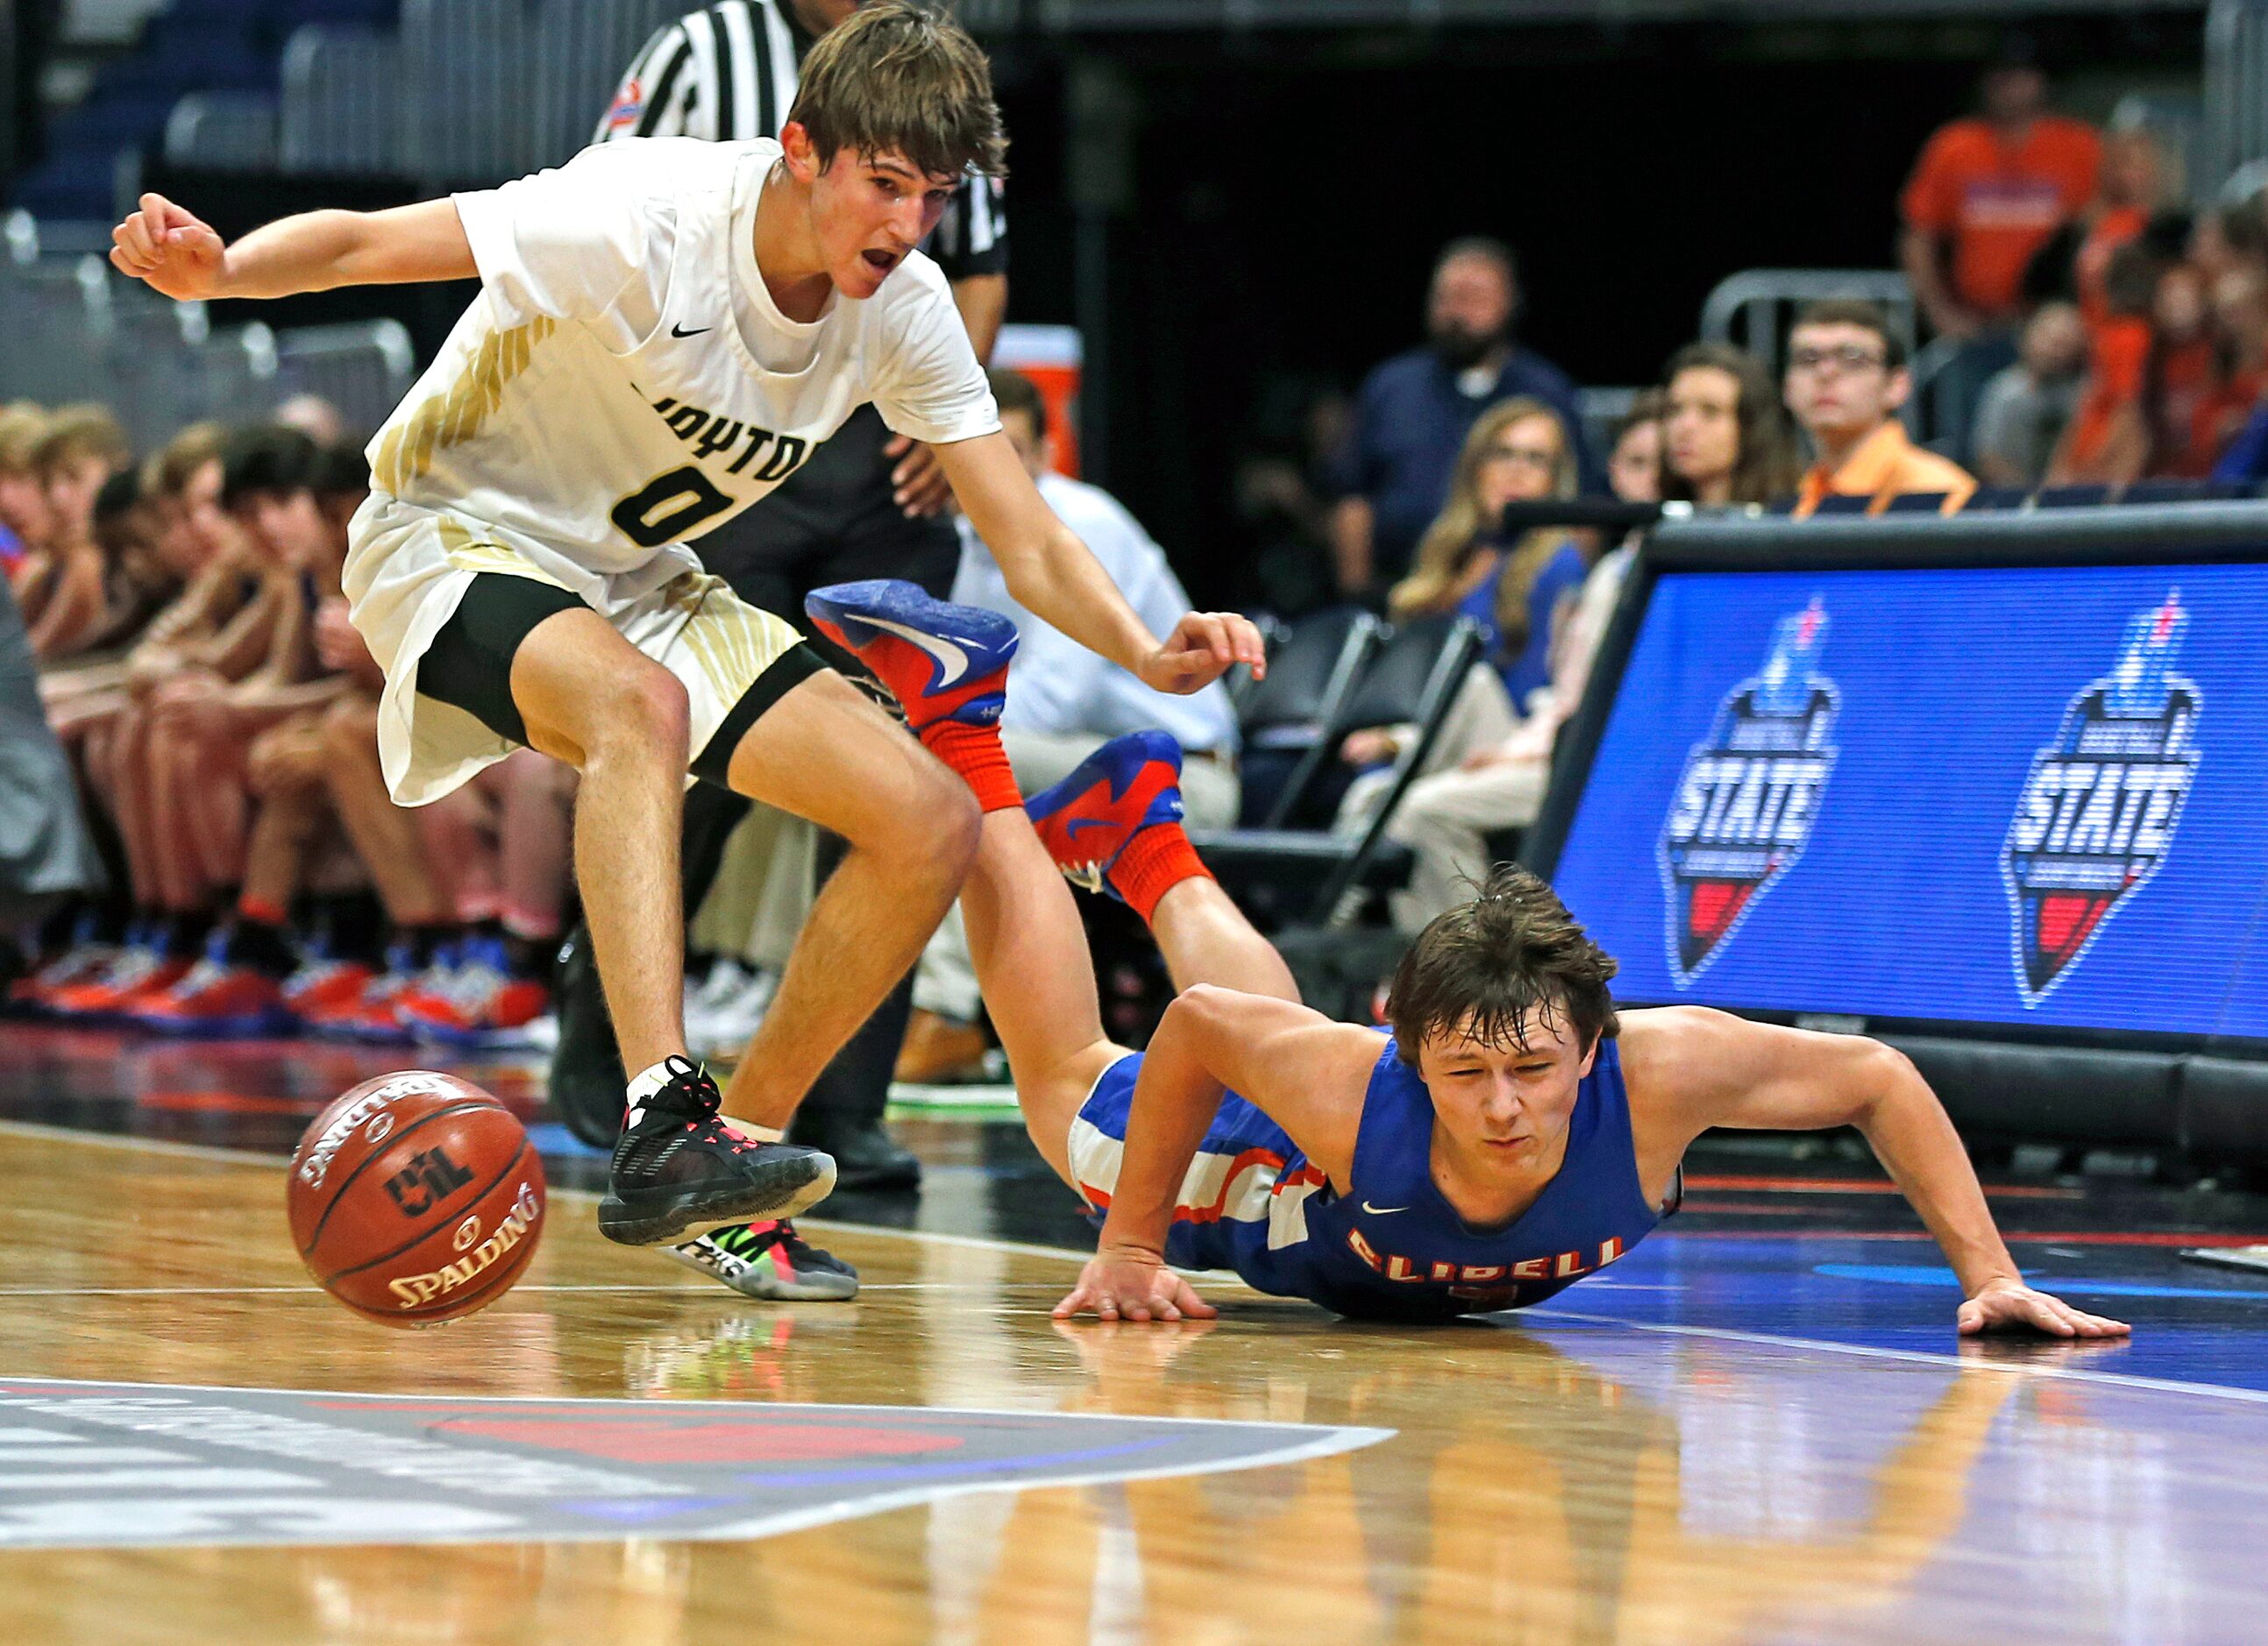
(1383, 1211)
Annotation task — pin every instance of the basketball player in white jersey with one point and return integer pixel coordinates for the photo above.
(665, 331)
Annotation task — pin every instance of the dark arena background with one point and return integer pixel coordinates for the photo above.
(1859, 618)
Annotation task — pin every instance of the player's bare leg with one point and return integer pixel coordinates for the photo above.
(825, 753)
(1205, 938)
(1030, 952)
(385, 836)
(593, 700)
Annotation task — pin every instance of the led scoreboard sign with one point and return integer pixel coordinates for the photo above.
(2032, 796)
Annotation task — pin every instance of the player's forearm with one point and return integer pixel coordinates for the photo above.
(319, 251)
(1176, 1097)
(1059, 581)
(1910, 1133)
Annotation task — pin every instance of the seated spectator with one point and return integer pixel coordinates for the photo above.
(2138, 181)
(2108, 441)
(2028, 406)
(65, 597)
(1725, 441)
(1517, 451)
(1447, 816)
(2181, 378)
(1846, 379)
(1416, 409)
(1064, 703)
(1986, 194)
(23, 500)
(2241, 319)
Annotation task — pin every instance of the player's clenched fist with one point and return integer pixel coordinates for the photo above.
(170, 248)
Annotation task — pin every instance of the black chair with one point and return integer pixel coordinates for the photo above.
(1918, 503)
(1991, 499)
(1277, 874)
(1288, 722)
(1840, 503)
(2071, 497)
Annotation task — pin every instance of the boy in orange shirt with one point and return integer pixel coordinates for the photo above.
(1846, 379)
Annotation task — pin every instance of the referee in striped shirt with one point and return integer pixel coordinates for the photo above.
(866, 504)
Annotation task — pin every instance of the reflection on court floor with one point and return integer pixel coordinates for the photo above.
(1759, 1428)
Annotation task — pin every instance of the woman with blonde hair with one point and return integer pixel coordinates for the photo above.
(1517, 451)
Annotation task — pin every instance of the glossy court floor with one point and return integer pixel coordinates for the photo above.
(1757, 1428)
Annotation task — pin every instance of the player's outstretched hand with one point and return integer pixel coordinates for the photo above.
(170, 248)
(1125, 1285)
(1204, 646)
(2005, 1306)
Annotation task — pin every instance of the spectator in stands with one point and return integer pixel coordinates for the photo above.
(1448, 815)
(246, 863)
(2240, 310)
(1846, 379)
(1725, 441)
(1519, 452)
(23, 501)
(1985, 194)
(64, 587)
(1634, 465)
(2139, 182)
(1281, 490)
(1064, 703)
(2110, 440)
(1416, 409)
(2028, 406)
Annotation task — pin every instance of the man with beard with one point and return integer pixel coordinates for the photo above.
(1416, 408)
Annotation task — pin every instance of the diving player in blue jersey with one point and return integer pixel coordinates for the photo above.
(1513, 1134)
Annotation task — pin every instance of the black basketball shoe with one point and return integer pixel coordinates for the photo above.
(679, 1169)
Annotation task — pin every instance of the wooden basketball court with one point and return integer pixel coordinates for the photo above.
(1717, 1443)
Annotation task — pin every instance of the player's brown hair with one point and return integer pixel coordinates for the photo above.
(1014, 392)
(897, 77)
(1481, 969)
(78, 432)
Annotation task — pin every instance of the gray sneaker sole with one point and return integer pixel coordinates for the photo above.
(751, 1281)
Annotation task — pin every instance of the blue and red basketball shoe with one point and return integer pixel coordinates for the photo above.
(947, 665)
(1115, 825)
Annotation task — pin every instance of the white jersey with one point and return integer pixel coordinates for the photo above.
(624, 382)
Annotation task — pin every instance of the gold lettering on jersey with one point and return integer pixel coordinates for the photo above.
(458, 414)
(1493, 1278)
(710, 435)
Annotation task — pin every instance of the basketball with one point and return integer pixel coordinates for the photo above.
(415, 1198)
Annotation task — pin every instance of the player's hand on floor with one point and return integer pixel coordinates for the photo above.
(2010, 1305)
(1204, 646)
(917, 484)
(169, 247)
(1123, 1285)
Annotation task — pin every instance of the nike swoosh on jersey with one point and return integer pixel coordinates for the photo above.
(949, 657)
(1383, 1211)
(678, 331)
(1077, 824)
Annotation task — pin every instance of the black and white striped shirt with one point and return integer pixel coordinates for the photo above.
(728, 73)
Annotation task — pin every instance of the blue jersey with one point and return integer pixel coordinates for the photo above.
(1388, 1244)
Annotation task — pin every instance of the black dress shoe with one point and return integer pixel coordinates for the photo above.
(866, 1157)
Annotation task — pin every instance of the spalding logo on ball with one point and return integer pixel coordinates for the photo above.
(415, 1198)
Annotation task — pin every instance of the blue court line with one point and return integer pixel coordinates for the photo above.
(1914, 1275)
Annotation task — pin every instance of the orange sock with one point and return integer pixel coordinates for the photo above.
(259, 909)
(1155, 861)
(975, 752)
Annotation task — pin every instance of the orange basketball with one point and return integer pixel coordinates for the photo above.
(415, 1198)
